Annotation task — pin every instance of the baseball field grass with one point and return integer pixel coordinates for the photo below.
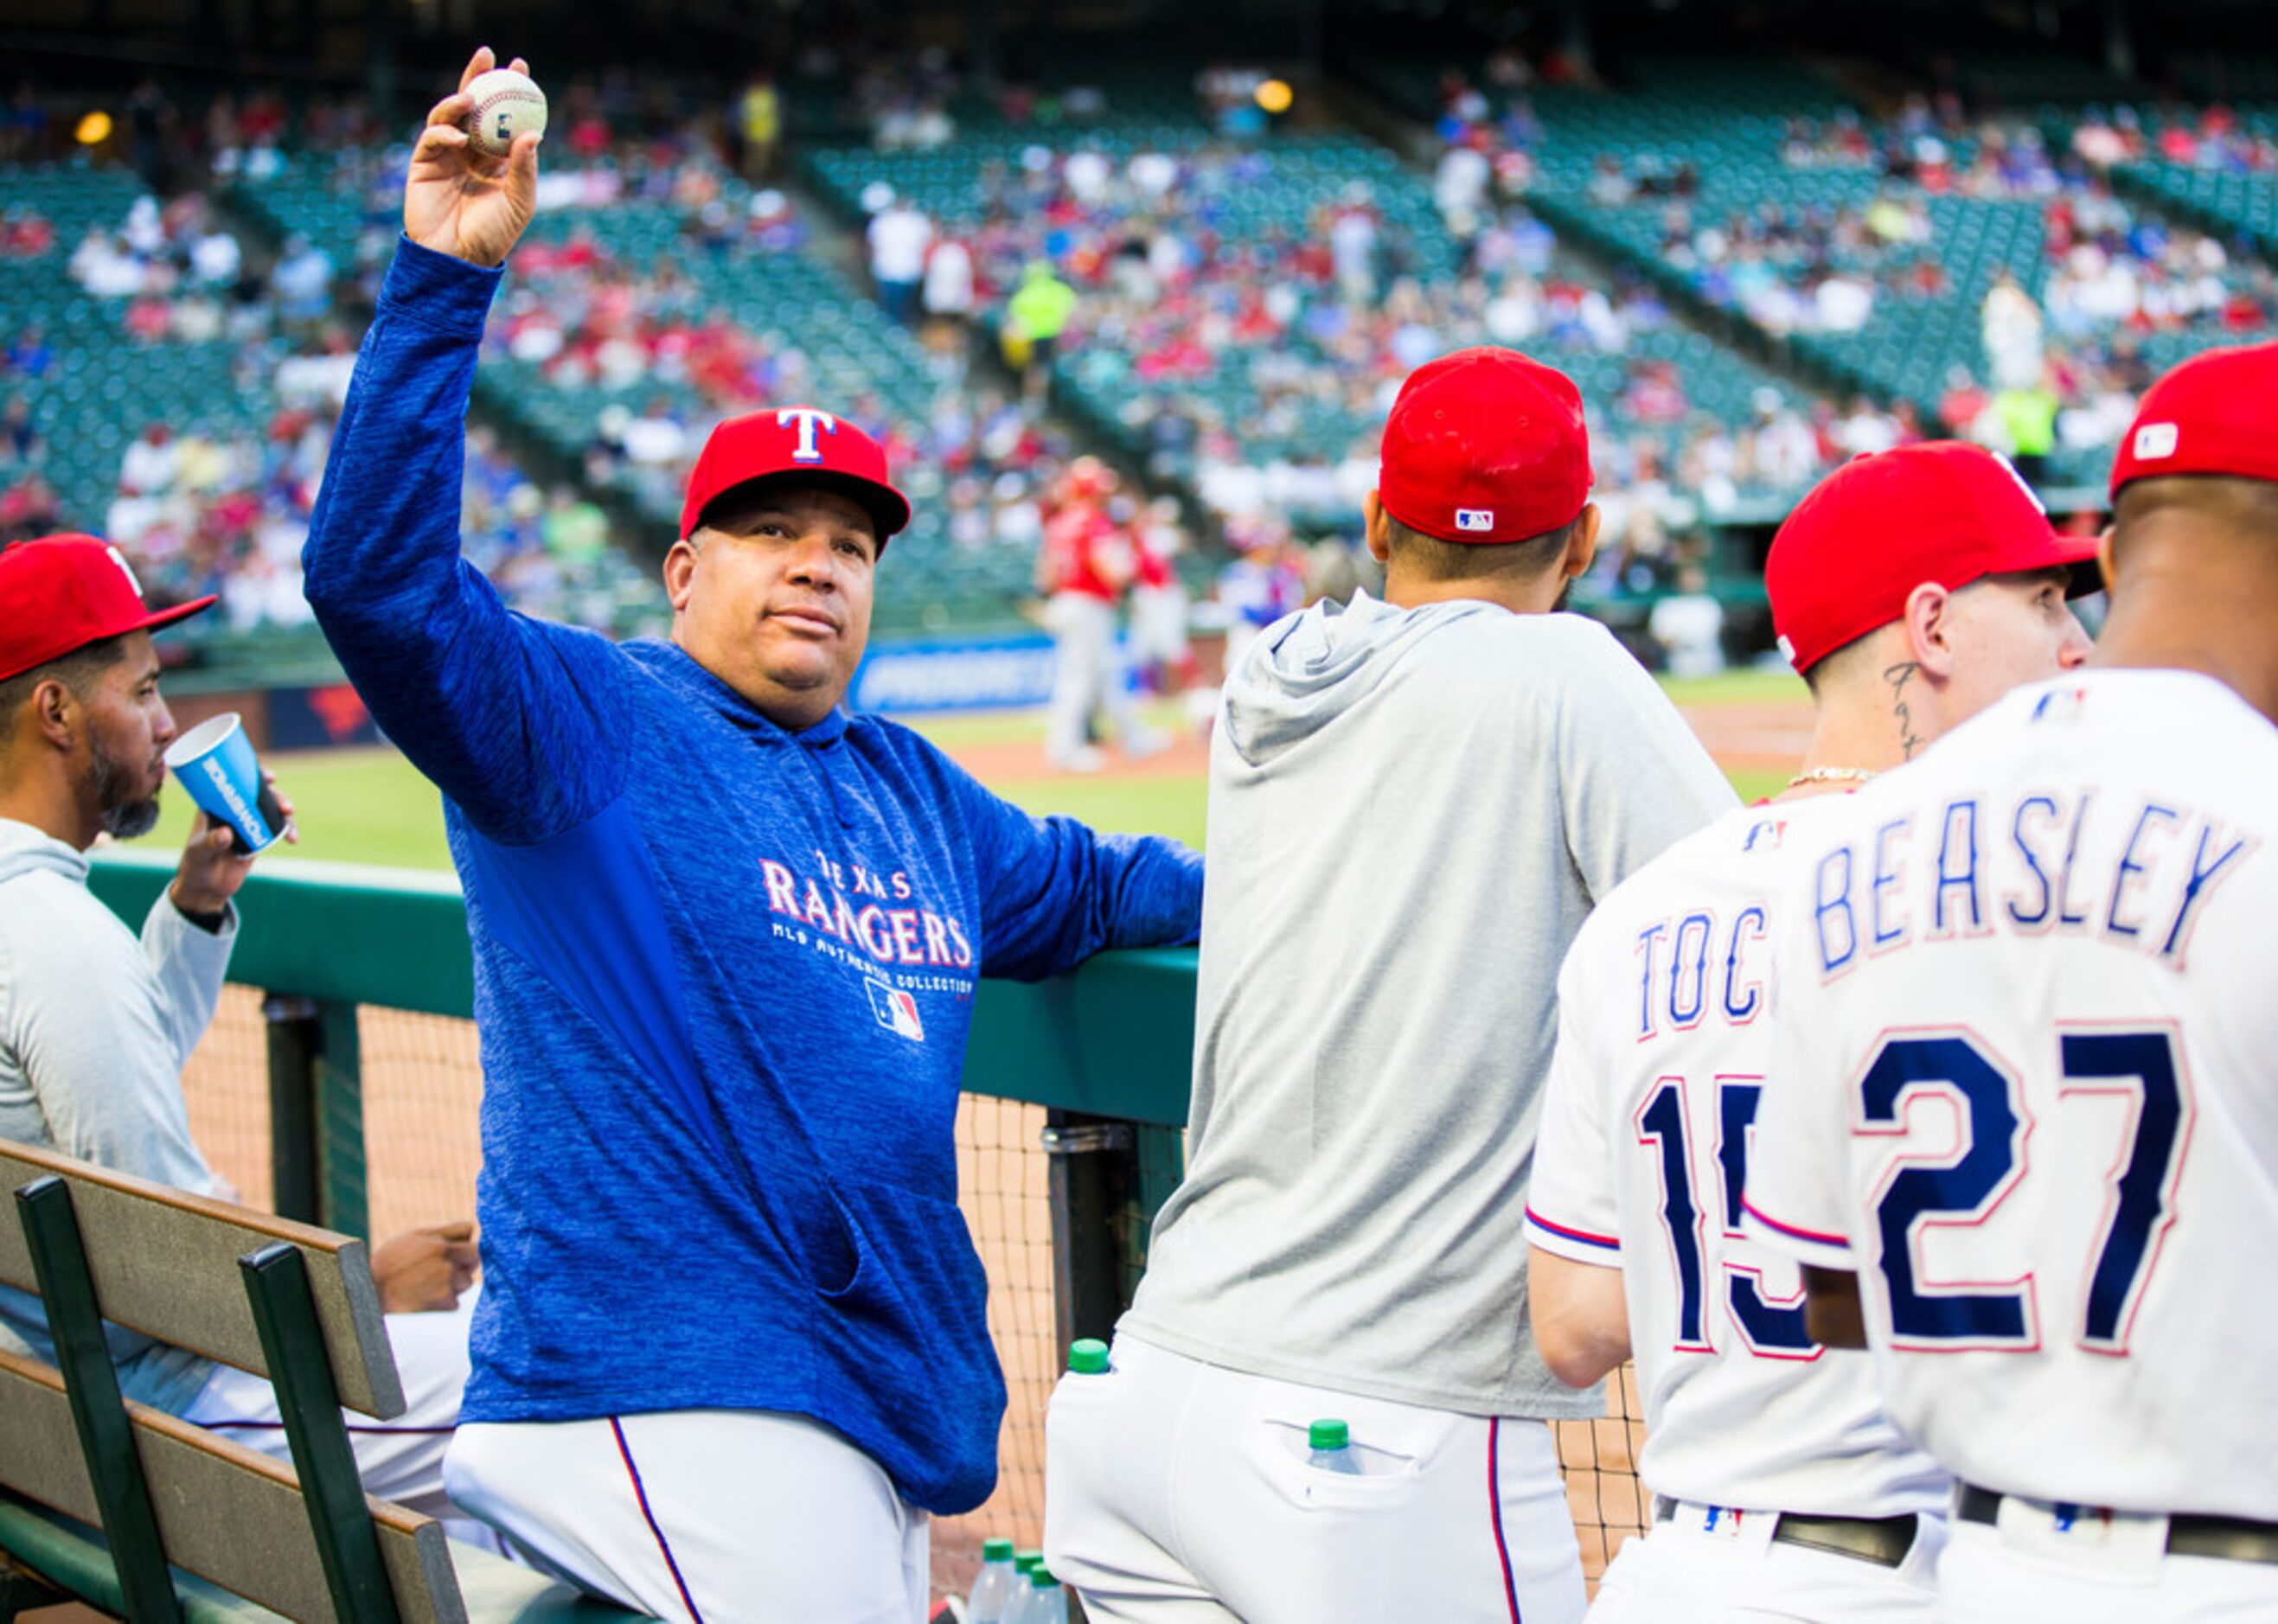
(371, 806)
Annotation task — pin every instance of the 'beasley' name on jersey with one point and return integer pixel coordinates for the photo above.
(2133, 871)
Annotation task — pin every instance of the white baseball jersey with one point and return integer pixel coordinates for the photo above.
(2025, 1083)
(1664, 1034)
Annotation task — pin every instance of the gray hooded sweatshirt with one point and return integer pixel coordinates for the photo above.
(1412, 811)
(95, 1027)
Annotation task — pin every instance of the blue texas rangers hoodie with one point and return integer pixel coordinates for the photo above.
(724, 973)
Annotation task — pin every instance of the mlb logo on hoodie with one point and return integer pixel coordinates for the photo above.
(898, 1010)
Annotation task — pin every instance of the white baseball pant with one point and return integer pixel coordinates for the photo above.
(1178, 1493)
(1158, 625)
(702, 1514)
(2098, 1571)
(1087, 676)
(399, 1460)
(1699, 1569)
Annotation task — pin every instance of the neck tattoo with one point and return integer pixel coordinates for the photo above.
(1898, 677)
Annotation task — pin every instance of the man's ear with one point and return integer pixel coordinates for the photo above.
(1582, 546)
(1376, 522)
(1928, 622)
(680, 573)
(2103, 565)
(56, 712)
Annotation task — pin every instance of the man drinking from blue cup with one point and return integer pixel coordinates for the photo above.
(96, 1022)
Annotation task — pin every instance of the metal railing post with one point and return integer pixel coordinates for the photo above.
(316, 1112)
(295, 1039)
(1093, 1187)
(340, 1177)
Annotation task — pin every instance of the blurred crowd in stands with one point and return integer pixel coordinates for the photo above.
(1259, 361)
(2211, 138)
(2064, 354)
(229, 513)
(220, 502)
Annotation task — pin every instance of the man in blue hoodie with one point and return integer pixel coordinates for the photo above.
(730, 1350)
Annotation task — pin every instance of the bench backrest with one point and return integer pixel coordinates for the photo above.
(185, 1270)
(225, 1512)
(164, 1264)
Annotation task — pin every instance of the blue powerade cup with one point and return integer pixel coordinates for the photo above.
(216, 763)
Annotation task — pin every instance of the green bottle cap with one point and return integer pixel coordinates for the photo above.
(996, 1550)
(1040, 1578)
(1329, 1435)
(1088, 1357)
(1027, 1561)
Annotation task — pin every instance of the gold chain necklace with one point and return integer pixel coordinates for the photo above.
(1832, 776)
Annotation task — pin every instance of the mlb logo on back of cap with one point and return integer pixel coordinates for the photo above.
(1475, 518)
(2156, 439)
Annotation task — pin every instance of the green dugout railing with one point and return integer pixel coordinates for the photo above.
(1106, 1051)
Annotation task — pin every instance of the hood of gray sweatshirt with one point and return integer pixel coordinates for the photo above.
(1312, 669)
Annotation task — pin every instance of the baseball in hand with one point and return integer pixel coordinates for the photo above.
(507, 104)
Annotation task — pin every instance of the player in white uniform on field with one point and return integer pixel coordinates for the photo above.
(2022, 1122)
(1913, 587)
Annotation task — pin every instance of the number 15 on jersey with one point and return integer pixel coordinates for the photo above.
(1719, 1271)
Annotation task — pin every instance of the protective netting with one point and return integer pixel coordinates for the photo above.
(422, 1084)
(1600, 1458)
(1004, 1182)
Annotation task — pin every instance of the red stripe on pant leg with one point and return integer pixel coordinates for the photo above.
(640, 1493)
(1494, 1512)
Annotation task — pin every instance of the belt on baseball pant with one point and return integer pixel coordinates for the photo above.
(2232, 1539)
(1884, 1541)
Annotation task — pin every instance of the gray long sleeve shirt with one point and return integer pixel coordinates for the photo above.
(95, 1027)
(1412, 811)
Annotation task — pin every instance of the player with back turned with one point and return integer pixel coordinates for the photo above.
(1911, 589)
(1413, 804)
(2021, 1128)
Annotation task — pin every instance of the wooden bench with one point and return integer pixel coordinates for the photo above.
(139, 1514)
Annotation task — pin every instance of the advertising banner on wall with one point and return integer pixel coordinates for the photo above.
(956, 675)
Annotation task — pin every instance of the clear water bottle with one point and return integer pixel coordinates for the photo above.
(991, 1601)
(1020, 1608)
(1331, 1446)
(1047, 1602)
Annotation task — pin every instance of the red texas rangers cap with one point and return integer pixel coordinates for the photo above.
(799, 445)
(1486, 446)
(1886, 522)
(62, 593)
(2212, 415)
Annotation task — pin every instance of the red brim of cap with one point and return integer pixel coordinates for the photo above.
(149, 623)
(180, 612)
(889, 508)
(2055, 551)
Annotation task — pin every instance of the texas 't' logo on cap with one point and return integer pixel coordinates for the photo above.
(808, 420)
